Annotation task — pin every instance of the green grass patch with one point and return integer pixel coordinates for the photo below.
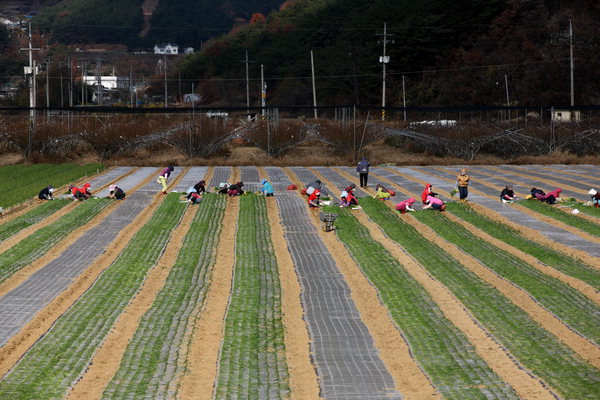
(56, 361)
(568, 304)
(535, 348)
(562, 262)
(582, 207)
(252, 360)
(152, 359)
(37, 244)
(23, 182)
(559, 215)
(32, 217)
(442, 350)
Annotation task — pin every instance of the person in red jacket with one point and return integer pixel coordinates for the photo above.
(314, 199)
(428, 191)
(81, 193)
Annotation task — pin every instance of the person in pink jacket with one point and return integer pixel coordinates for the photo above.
(405, 205)
(435, 203)
(551, 197)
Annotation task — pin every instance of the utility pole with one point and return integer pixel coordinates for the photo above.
(32, 71)
(384, 60)
(507, 98)
(82, 83)
(263, 91)
(404, 95)
(166, 92)
(131, 85)
(572, 63)
(47, 84)
(98, 82)
(312, 67)
(247, 84)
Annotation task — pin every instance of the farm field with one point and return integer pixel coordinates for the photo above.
(249, 297)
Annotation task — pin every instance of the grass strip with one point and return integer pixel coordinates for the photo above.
(32, 178)
(568, 304)
(32, 217)
(560, 261)
(38, 243)
(538, 350)
(56, 361)
(442, 350)
(152, 359)
(582, 207)
(252, 359)
(569, 219)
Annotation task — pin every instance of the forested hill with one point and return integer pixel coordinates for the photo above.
(185, 22)
(449, 51)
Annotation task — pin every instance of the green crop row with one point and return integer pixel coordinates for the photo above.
(154, 358)
(538, 350)
(61, 356)
(33, 178)
(569, 219)
(38, 243)
(252, 361)
(545, 254)
(568, 304)
(442, 350)
(32, 217)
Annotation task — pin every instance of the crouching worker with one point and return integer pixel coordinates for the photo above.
(595, 197)
(314, 200)
(46, 193)
(428, 191)
(507, 195)
(116, 192)
(266, 188)
(193, 196)
(536, 194)
(383, 193)
(551, 197)
(82, 193)
(347, 198)
(223, 188)
(236, 189)
(435, 204)
(405, 205)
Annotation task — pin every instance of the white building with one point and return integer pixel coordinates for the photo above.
(110, 82)
(566, 115)
(166, 48)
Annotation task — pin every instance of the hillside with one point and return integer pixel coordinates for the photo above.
(442, 48)
(186, 22)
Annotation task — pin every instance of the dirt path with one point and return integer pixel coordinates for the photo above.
(527, 232)
(148, 8)
(586, 349)
(108, 356)
(409, 378)
(199, 379)
(304, 383)
(16, 347)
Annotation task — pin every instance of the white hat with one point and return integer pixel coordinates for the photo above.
(592, 192)
(51, 190)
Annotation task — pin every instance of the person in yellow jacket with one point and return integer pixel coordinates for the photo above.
(462, 182)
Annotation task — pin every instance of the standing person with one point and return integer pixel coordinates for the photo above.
(462, 181)
(405, 205)
(363, 171)
(116, 192)
(507, 195)
(162, 178)
(267, 188)
(46, 193)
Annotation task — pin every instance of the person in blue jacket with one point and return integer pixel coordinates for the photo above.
(267, 188)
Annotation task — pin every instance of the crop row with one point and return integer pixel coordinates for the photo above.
(565, 302)
(442, 350)
(38, 243)
(32, 217)
(154, 357)
(560, 261)
(538, 350)
(252, 360)
(57, 360)
(569, 219)
(32, 178)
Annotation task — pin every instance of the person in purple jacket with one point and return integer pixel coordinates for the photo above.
(162, 178)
